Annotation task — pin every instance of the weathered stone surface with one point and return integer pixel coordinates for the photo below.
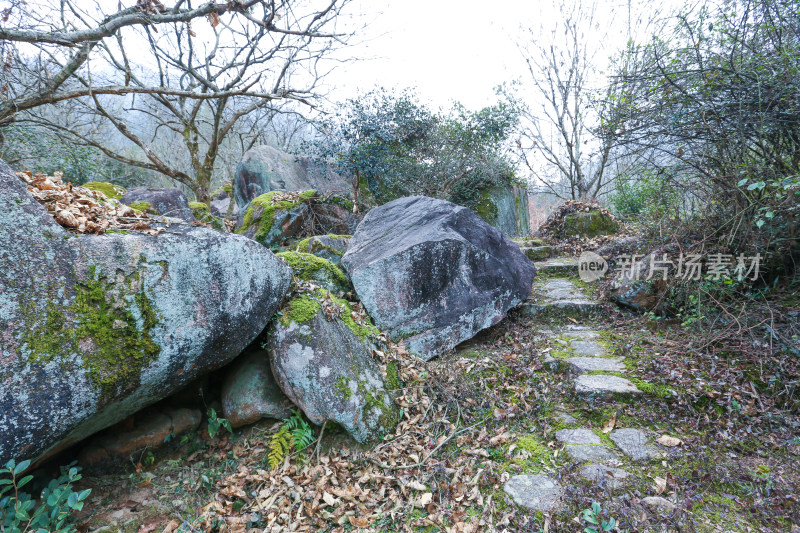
(534, 492)
(587, 224)
(151, 433)
(264, 169)
(633, 443)
(537, 253)
(581, 365)
(327, 370)
(276, 218)
(250, 393)
(559, 294)
(309, 267)
(604, 385)
(658, 503)
(167, 202)
(588, 348)
(577, 436)
(223, 205)
(605, 476)
(433, 273)
(330, 247)
(559, 265)
(633, 289)
(96, 327)
(506, 208)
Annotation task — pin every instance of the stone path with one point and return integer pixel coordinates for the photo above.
(596, 375)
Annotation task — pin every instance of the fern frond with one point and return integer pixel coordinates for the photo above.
(280, 446)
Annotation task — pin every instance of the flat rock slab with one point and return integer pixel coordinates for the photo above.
(658, 503)
(590, 452)
(603, 384)
(580, 333)
(559, 265)
(560, 289)
(535, 492)
(577, 436)
(581, 365)
(605, 476)
(633, 443)
(587, 347)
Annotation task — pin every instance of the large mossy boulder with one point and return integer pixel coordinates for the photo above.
(250, 393)
(276, 218)
(169, 202)
(309, 267)
(434, 273)
(322, 360)
(579, 219)
(96, 327)
(506, 208)
(330, 247)
(264, 169)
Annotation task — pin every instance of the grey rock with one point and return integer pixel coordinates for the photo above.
(264, 169)
(329, 373)
(659, 503)
(605, 476)
(559, 265)
(633, 443)
(190, 300)
(534, 492)
(330, 247)
(577, 436)
(566, 418)
(250, 393)
(581, 365)
(279, 222)
(604, 385)
(538, 253)
(168, 202)
(632, 289)
(509, 209)
(433, 273)
(590, 452)
(589, 348)
(221, 204)
(580, 333)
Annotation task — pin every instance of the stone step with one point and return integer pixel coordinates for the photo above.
(535, 492)
(559, 265)
(560, 294)
(604, 386)
(568, 307)
(537, 253)
(584, 445)
(583, 365)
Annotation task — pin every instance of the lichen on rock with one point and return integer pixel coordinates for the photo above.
(309, 267)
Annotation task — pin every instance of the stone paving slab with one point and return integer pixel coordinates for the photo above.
(605, 476)
(590, 452)
(535, 492)
(634, 444)
(587, 347)
(577, 436)
(559, 265)
(582, 365)
(604, 385)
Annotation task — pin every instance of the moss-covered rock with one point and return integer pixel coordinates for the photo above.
(202, 212)
(330, 247)
(322, 360)
(588, 224)
(111, 191)
(144, 207)
(309, 267)
(168, 202)
(277, 218)
(96, 327)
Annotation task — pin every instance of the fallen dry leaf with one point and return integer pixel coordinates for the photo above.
(660, 484)
(609, 425)
(666, 440)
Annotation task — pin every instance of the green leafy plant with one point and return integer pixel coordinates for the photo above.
(214, 423)
(592, 516)
(19, 512)
(295, 434)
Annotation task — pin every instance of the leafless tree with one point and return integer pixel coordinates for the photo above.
(173, 82)
(571, 132)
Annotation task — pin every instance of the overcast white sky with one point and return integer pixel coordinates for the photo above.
(460, 49)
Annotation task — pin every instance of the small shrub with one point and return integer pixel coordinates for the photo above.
(19, 512)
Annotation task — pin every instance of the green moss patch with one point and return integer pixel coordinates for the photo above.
(112, 330)
(262, 210)
(300, 310)
(308, 267)
(144, 207)
(202, 212)
(111, 191)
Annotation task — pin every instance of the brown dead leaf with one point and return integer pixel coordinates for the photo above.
(660, 484)
(171, 526)
(610, 423)
(671, 442)
(149, 528)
